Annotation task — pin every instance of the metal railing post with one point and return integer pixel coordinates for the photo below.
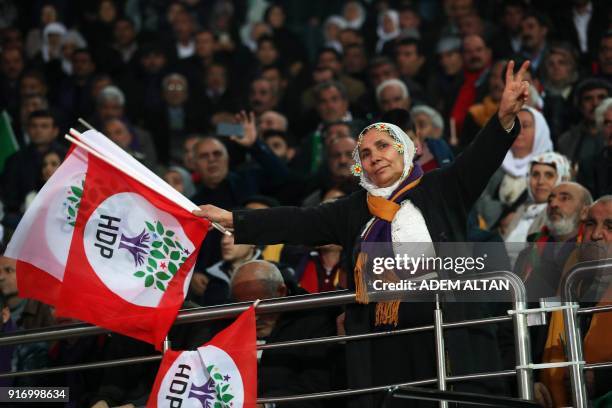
(572, 329)
(522, 341)
(440, 352)
(522, 344)
(574, 347)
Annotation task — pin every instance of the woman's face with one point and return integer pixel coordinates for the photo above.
(267, 53)
(542, 178)
(48, 15)
(381, 161)
(175, 180)
(332, 31)
(50, 163)
(352, 12)
(107, 11)
(388, 24)
(276, 18)
(523, 144)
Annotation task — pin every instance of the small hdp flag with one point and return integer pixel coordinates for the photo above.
(220, 374)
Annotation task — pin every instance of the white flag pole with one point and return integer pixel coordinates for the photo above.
(132, 174)
(167, 345)
(106, 147)
(129, 165)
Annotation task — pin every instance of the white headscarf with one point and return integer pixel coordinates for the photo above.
(71, 37)
(383, 36)
(533, 210)
(408, 225)
(358, 22)
(408, 151)
(51, 28)
(541, 143)
(557, 160)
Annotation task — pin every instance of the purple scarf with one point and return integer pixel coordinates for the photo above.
(380, 230)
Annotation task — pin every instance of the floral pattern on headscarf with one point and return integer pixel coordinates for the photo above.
(557, 160)
(404, 146)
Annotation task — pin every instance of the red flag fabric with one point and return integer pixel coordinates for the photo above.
(220, 374)
(131, 256)
(42, 239)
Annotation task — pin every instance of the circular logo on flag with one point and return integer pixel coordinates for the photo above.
(208, 376)
(135, 248)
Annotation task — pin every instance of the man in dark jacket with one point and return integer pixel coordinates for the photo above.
(222, 187)
(582, 142)
(21, 170)
(294, 370)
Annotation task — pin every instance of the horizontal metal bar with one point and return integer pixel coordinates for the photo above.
(342, 393)
(188, 316)
(466, 377)
(595, 366)
(271, 346)
(214, 313)
(464, 398)
(579, 272)
(594, 309)
(475, 322)
(83, 366)
(337, 339)
(346, 393)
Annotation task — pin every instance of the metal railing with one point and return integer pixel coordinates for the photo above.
(523, 369)
(572, 328)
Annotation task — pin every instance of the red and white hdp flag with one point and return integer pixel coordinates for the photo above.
(131, 257)
(42, 240)
(106, 249)
(220, 374)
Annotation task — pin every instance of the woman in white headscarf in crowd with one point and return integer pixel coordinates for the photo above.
(72, 41)
(51, 48)
(398, 203)
(546, 171)
(251, 32)
(507, 187)
(354, 15)
(34, 39)
(331, 32)
(388, 28)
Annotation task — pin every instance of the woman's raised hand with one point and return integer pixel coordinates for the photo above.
(516, 93)
(215, 214)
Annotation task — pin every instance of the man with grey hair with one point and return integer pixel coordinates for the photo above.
(292, 370)
(542, 264)
(596, 173)
(427, 121)
(272, 120)
(392, 94)
(228, 189)
(567, 207)
(262, 96)
(177, 117)
(110, 104)
(332, 105)
(331, 102)
(568, 204)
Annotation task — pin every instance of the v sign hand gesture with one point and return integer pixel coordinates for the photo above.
(516, 92)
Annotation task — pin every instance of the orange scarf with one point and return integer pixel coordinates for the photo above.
(383, 209)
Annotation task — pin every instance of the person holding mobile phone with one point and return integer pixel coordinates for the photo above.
(227, 188)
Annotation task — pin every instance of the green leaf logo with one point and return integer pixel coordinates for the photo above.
(166, 257)
(73, 202)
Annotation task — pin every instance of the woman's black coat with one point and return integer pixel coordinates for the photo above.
(444, 197)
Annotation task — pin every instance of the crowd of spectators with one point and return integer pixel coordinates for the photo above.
(295, 82)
